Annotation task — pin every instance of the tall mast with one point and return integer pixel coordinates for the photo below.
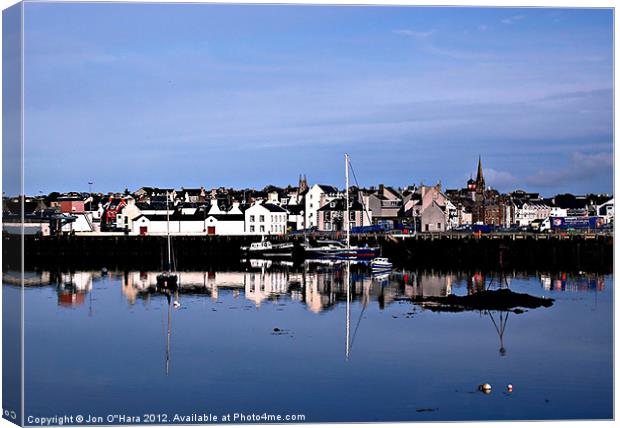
(168, 231)
(346, 201)
(168, 343)
(348, 322)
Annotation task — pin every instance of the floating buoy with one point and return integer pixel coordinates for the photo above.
(509, 387)
(176, 304)
(485, 387)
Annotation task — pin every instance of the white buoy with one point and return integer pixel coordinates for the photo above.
(176, 304)
(485, 387)
(509, 387)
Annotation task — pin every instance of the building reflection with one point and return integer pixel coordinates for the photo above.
(567, 282)
(318, 287)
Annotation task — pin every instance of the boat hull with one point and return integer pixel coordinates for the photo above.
(167, 281)
(342, 254)
(272, 252)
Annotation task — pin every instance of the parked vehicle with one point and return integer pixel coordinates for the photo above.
(463, 228)
(482, 228)
(576, 223)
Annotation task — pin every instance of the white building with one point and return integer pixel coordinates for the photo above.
(558, 212)
(265, 219)
(318, 196)
(157, 224)
(127, 213)
(83, 223)
(235, 208)
(606, 210)
(225, 224)
(527, 212)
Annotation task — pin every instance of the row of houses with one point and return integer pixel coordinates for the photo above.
(277, 211)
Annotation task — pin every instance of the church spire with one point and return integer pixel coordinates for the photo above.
(479, 175)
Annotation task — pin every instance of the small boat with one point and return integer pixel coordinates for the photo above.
(266, 249)
(332, 249)
(380, 264)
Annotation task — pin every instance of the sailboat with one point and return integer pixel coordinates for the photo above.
(167, 279)
(342, 250)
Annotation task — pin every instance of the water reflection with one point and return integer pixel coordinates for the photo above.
(500, 327)
(319, 287)
(328, 314)
(567, 282)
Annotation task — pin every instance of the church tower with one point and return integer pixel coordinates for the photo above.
(303, 185)
(479, 197)
(480, 185)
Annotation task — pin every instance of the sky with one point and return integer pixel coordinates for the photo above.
(131, 95)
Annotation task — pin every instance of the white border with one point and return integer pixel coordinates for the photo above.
(477, 3)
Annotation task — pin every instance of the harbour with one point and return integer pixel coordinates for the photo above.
(300, 332)
(449, 250)
(285, 214)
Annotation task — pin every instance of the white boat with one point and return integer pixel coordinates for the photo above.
(380, 264)
(265, 248)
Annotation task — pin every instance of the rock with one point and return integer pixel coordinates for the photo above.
(500, 300)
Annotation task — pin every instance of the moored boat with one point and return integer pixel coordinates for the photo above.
(380, 264)
(333, 249)
(266, 249)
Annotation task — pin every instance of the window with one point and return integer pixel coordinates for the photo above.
(438, 226)
(252, 218)
(328, 226)
(262, 228)
(251, 228)
(261, 219)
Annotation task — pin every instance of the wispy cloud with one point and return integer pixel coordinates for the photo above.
(582, 166)
(420, 35)
(501, 179)
(512, 19)
(483, 27)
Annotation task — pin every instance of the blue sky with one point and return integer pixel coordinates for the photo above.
(127, 95)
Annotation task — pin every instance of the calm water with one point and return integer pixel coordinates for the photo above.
(98, 344)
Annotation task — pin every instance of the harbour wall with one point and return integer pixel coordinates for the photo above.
(441, 251)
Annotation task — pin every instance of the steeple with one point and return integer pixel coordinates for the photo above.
(479, 176)
(303, 184)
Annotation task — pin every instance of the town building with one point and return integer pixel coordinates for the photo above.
(384, 203)
(265, 219)
(331, 216)
(316, 197)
